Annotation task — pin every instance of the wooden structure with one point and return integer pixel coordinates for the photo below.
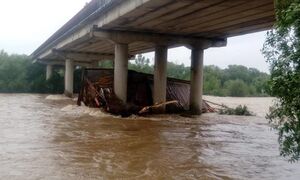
(97, 91)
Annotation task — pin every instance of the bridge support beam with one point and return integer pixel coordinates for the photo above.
(69, 77)
(160, 76)
(49, 71)
(121, 71)
(196, 90)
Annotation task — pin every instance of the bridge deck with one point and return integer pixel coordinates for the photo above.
(192, 18)
(206, 18)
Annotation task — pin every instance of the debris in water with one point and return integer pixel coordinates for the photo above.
(97, 91)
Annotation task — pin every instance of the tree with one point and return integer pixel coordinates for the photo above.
(234, 72)
(212, 81)
(19, 74)
(236, 88)
(13, 73)
(141, 64)
(178, 71)
(282, 50)
(106, 64)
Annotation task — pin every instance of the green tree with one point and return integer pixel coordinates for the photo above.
(141, 64)
(282, 50)
(56, 83)
(13, 73)
(178, 71)
(236, 88)
(19, 74)
(212, 81)
(236, 80)
(106, 64)
(234, 72)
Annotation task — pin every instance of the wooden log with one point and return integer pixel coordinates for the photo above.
(147, 108)
(221, 105)
(95, 91)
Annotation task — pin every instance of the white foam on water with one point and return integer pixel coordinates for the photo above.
(75, 99)
(84, 110)
(99, 113)
(69, 108)
(57, 97)
(155, 117)
(75, 110)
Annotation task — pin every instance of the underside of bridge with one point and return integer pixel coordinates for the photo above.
(119, 29)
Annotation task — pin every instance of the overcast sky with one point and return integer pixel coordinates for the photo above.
(26, 24)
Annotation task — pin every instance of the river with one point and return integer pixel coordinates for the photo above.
(49, 137)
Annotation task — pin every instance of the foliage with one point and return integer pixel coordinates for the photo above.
(233, 81)
(141, 64)
(239, 110)
(106, 64)
(236, 88)
(19, 75)
(56, 83)
(282, 50)
(13, 73)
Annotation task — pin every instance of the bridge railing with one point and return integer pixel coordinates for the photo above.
(98, 6)
(104, 3)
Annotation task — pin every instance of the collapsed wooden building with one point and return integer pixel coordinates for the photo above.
(97, 91)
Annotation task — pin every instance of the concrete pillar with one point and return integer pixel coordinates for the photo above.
(49, 71)
(196, 90)
(160, 76)
(121, 71)
(69, 78)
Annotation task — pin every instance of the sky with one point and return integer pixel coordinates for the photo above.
(26, 24)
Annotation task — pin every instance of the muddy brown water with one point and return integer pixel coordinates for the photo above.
(54, 139)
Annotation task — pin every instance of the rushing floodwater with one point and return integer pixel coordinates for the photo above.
(54, 139)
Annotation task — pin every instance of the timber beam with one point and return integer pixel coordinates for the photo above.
(127, 37)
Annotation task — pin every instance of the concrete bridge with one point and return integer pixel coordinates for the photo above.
(119, 29)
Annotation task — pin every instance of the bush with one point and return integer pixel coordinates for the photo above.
(282, 51)
(236, 88)
(239, 110)
(55, 84)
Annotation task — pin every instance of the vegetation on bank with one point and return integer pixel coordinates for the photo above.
(282, 50)
(236, 80)
(239, 111)
(19, 75)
